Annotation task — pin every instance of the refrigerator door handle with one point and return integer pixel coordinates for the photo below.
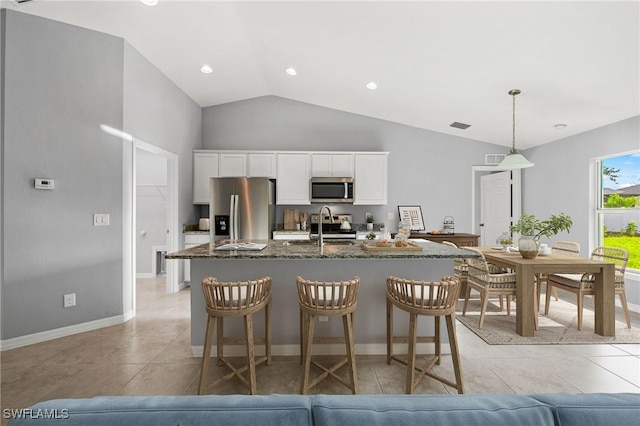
(235, 215)
(232, 218)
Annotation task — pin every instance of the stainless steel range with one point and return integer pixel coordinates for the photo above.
(332, 230)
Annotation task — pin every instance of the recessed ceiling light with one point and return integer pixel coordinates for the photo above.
(291, 71)
(206, 69)
(559, 126)
(150, 2)
(372, 85)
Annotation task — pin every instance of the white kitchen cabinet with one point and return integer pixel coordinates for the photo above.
(292, 180)
(262, 165)
(205, 166)
(332, 165)
(191, 241)
(370, 179)
(233, 164)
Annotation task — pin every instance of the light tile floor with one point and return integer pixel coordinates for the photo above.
(151, 355)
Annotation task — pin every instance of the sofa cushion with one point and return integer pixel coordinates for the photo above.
(402, 410)
(619, 409)
(231, 410)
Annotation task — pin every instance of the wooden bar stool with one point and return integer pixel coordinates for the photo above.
(317, 298)
(235, 299)
(434, 299)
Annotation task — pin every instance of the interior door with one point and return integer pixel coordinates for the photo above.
(495, 206)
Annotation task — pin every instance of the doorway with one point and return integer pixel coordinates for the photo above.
(133, 148)
(499, 193)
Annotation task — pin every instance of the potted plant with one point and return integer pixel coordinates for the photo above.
(531, 229)
(369, 222)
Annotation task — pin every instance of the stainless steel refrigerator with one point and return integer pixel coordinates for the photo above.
(242, 208)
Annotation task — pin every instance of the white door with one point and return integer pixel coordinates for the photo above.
(495, 206)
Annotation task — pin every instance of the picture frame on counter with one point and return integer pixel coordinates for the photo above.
(413, 215)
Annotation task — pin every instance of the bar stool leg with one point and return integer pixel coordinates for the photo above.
(267, 332)
(251, 361)
(303, 333)
(437, 339)
(347, 321)
(389, 331)
(411, 356)
(455, 354)
(206, 353)
(310, 321)
(220, 341)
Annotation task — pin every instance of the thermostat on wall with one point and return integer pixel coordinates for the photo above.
(44, 183)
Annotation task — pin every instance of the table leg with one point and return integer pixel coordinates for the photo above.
(525, 325)
(604, 309)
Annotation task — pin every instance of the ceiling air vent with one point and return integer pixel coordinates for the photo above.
(459, 125)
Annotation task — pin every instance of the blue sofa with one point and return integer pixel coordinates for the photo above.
(331, 410)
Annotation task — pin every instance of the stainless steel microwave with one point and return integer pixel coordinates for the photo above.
(332, 190)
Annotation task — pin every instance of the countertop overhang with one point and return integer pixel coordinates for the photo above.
(278, 249)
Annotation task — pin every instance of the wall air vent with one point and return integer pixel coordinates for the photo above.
(459, 125)
(493, 159)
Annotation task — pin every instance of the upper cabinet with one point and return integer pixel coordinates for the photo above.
(205, 166)
(233, 164)
(292, 181)
(331, 165)
(262, 164)
(370, 178)
(292, 171)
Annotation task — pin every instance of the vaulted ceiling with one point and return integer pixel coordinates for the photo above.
(435, 62)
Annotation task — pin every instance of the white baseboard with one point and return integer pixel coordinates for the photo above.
(145, 275)
(43, 336)
(324, 349)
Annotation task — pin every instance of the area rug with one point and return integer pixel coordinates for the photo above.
(560, 327)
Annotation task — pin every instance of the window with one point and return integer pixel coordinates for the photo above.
(618, 204)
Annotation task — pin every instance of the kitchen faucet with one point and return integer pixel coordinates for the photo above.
(320, 239)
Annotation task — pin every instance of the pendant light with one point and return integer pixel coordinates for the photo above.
(514, 160)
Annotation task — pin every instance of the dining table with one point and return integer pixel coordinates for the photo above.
(526, 269)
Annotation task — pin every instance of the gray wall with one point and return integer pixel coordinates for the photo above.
(61, 83)
(560, 180)
(426, 168)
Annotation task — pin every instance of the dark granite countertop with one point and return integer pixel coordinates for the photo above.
(278, 249)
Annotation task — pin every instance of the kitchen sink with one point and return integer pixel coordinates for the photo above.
(315, 242)
(300, 243)
(339, 242)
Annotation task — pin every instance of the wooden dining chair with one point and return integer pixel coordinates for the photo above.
(582, 284)
(489, 280)
(569, 248)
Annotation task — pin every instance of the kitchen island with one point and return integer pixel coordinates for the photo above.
(284, 260)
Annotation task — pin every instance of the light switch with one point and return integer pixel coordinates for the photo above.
(101, 219)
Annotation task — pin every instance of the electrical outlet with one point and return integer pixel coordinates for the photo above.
(69, 300)
(391, 215)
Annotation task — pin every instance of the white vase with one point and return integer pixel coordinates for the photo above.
(528, 246)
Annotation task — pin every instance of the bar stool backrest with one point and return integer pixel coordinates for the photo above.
(333, 298)
(424, 297)
(228, 298)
